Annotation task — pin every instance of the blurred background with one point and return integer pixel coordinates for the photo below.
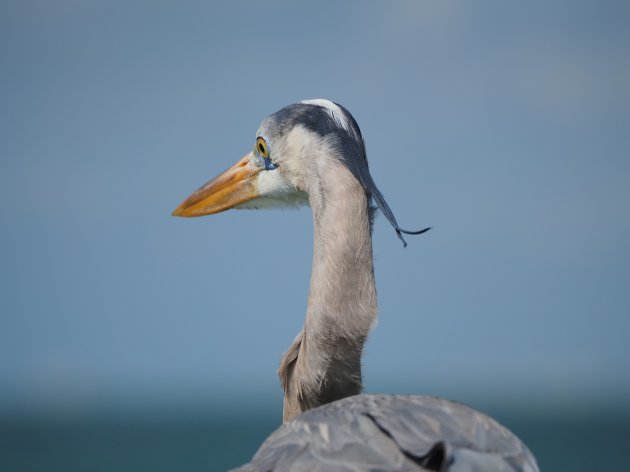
(131, 340)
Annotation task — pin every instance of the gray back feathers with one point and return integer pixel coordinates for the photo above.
(392, 433)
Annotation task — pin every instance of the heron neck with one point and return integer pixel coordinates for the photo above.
(342, 298)
(342, 295)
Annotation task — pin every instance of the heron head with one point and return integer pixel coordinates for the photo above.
(291, 148)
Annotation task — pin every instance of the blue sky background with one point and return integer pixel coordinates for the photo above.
(503, 125)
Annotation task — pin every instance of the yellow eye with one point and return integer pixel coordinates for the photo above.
(261, 147)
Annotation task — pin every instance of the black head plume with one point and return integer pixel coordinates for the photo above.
(327, 118)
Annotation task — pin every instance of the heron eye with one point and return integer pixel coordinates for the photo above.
(261, 145)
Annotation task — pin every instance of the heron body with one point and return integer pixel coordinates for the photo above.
(312, 153)
(392, 433)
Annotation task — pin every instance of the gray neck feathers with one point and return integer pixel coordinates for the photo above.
(324, 362)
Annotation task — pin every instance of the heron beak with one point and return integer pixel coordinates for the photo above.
(236, 185)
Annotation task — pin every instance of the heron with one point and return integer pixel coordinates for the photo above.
(312, 153)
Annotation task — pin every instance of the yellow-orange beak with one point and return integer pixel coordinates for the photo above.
(236, 185)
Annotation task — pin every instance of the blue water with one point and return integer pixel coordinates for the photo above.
(218, 442)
